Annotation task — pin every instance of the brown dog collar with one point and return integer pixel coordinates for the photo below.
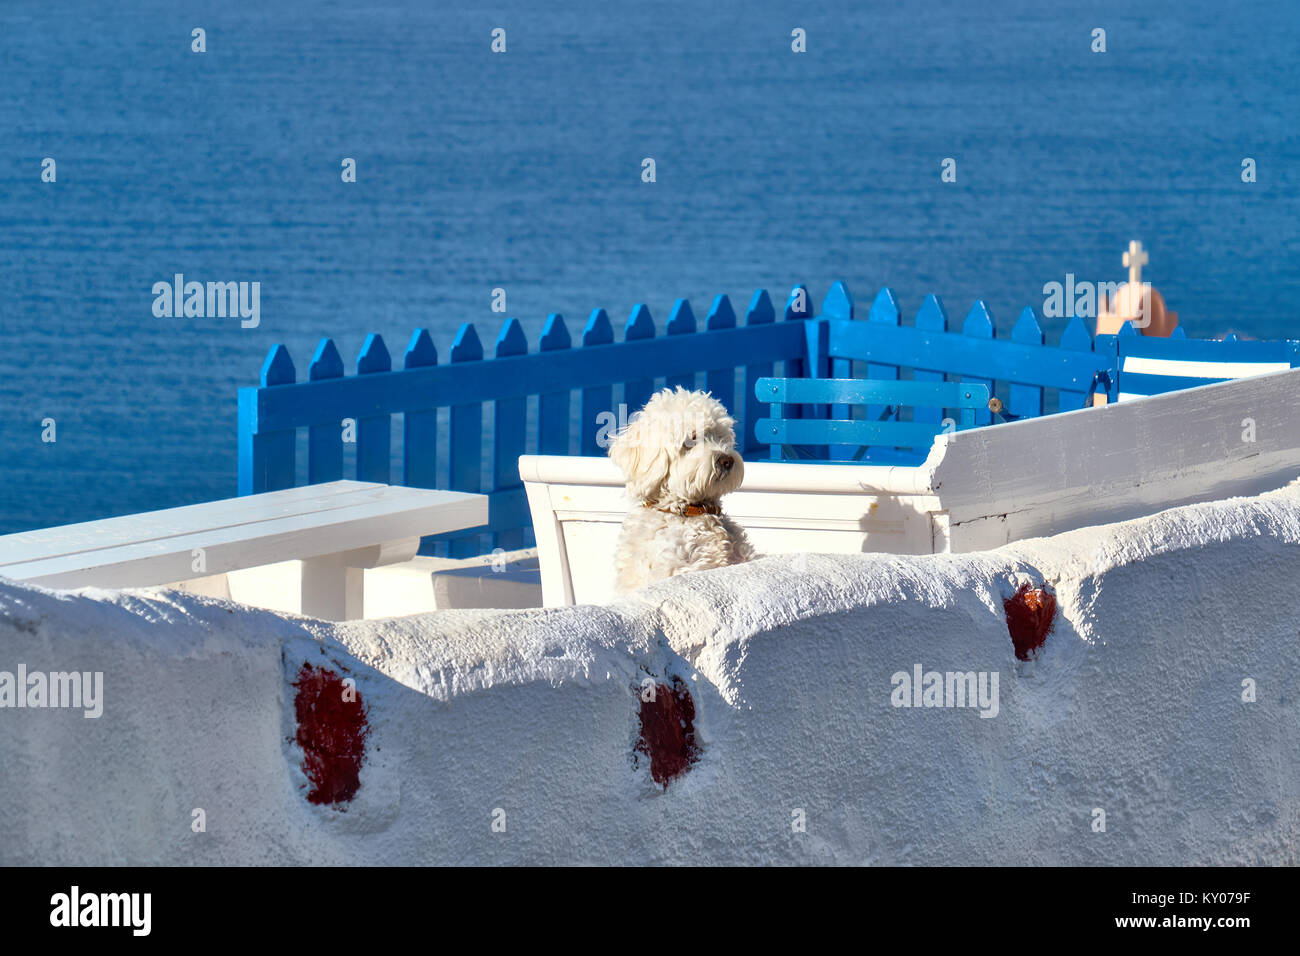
(691, 511)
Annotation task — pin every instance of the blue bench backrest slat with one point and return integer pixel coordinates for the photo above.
(1153, 366)
(779, 431)
(857, 391)
(813, 431)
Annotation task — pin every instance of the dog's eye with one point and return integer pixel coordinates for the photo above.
(689, 443)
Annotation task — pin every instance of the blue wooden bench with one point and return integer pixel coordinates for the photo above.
(1153, 366)
(886, 438)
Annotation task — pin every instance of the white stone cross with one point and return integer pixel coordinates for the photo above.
(1135, 259)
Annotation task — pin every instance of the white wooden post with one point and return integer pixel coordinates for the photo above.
(557, 583)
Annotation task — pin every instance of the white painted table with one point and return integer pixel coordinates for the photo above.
(336, 529)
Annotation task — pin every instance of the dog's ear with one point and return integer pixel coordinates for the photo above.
(642, 459)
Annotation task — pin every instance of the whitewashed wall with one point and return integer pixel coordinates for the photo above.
(1134, 707)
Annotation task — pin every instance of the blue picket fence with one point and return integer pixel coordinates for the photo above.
(571, 389)
(562, 397)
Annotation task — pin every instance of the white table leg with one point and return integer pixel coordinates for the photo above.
(331, 590)
(333, 585)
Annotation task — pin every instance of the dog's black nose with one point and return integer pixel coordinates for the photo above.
(726, 462)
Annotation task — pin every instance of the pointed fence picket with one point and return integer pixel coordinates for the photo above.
(810, 364)
(266, 453)
(325, 442)
(420, 428)
(536, 386)
(1026, 401)
(1075, 338)
(680, 322)
(598, 400)
(509, 424)
(931, 318)
(553, 407)
(721, 382)
(760, 312)
(884, 311)
(465, 436)
(979, 325)
(838, 304)
(636, 393)
(374, 432)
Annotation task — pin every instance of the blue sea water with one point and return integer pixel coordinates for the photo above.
(522, 171)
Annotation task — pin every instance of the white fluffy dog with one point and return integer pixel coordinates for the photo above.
(679, 457)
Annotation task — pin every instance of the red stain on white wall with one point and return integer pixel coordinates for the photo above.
(1031, 615)
(668, 731)
(332, 729)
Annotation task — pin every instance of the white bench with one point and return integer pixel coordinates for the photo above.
(978, 489)
(336, 529)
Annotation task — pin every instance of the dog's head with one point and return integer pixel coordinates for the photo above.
(679, 449)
